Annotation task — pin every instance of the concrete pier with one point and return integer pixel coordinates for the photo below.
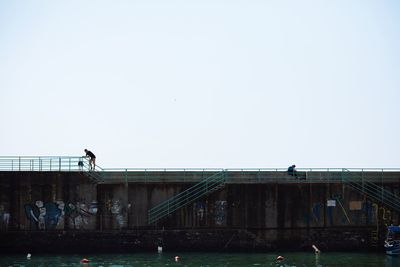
(253, 211)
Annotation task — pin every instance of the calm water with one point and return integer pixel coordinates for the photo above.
(205, 260)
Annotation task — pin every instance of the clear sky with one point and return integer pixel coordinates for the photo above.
(228, 84)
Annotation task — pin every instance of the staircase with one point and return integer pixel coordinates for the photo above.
(95, 176)
(186, 197)
(371, 190)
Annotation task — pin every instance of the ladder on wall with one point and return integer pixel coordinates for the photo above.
(186, 197)
(374, 238)
(372, 190)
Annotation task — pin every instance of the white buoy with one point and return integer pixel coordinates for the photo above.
(316, 250)
(159, 249)
(28, 256)
(176, 258)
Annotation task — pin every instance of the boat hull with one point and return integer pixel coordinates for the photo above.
(393, 248)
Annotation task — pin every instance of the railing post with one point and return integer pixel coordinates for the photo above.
(342, 176)
(59, 164)
(362, 181)
(382, 181)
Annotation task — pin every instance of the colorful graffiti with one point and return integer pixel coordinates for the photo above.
(52, 215)
(358, 212)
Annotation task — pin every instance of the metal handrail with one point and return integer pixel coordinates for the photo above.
(10, 163)
(186, 197)
(43, 163)
(162, 169)
(317, 169)
(278, 175)
(356, 181)
(107, 175)
(251, 169)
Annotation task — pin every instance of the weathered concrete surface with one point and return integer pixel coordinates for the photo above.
(215, 240)
(47, 201)
(52, 211)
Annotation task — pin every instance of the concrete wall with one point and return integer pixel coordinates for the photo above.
(258, 206)
(245, 215)
(47, 201)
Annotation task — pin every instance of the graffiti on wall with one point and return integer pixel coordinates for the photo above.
(357, 212)
(317, 211)
(362, 212)
(116, 210)
(4, 218)
(344, 212)
(200, 209)
(220, 212)
(119, 212)
(369, 212)
(52, 215)
(386, 215)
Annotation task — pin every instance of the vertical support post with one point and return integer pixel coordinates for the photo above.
(382, 186)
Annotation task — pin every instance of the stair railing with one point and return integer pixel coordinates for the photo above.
(372, 190)
(186, 197)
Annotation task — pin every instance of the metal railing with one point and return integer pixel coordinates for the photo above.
(192, 175)
(247, 175)
(371, 189)
(44, 163)
(186, 197)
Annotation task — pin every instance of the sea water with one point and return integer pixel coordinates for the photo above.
(204, 260)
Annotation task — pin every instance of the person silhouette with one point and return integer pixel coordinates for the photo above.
(292, 171)
(92, 159)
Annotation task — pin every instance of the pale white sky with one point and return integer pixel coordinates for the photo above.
(229, 84)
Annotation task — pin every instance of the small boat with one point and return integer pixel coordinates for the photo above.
(392, 241)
